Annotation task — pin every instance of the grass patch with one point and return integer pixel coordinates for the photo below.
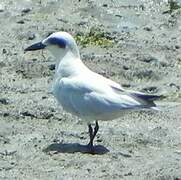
(95, 37)
(173, 5)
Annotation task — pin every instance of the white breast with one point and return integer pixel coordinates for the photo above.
(63, 97)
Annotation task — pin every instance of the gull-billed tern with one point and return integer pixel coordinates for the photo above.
(85, 93)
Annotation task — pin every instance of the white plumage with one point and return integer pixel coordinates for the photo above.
(83, 92)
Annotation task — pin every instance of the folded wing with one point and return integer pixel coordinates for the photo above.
(99, 99)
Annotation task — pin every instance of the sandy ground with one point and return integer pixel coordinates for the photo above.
(40, 141)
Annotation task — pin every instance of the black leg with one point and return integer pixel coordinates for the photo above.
(96, 128)
(92, 135)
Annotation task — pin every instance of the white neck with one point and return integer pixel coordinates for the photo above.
(69, 64)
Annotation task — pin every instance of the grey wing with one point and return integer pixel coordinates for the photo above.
(94, 104)
(89, 101)
(99, 102)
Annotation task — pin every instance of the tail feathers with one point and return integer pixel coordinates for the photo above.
(147, 100)
(147, 97)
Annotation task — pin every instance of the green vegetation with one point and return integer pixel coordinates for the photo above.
(173, 5)
(95, 37)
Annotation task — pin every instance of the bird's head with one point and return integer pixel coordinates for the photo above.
(59, 44)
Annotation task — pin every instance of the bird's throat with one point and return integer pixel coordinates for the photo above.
(68, 65)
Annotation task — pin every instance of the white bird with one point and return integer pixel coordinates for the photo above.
(85, 93)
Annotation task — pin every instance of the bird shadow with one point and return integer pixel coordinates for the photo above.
(56, 148)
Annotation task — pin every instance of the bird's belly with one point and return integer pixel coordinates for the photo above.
(106, 116)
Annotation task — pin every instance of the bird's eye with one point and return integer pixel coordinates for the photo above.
(60, 42)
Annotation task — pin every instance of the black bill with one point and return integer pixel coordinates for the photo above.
(36, 46)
